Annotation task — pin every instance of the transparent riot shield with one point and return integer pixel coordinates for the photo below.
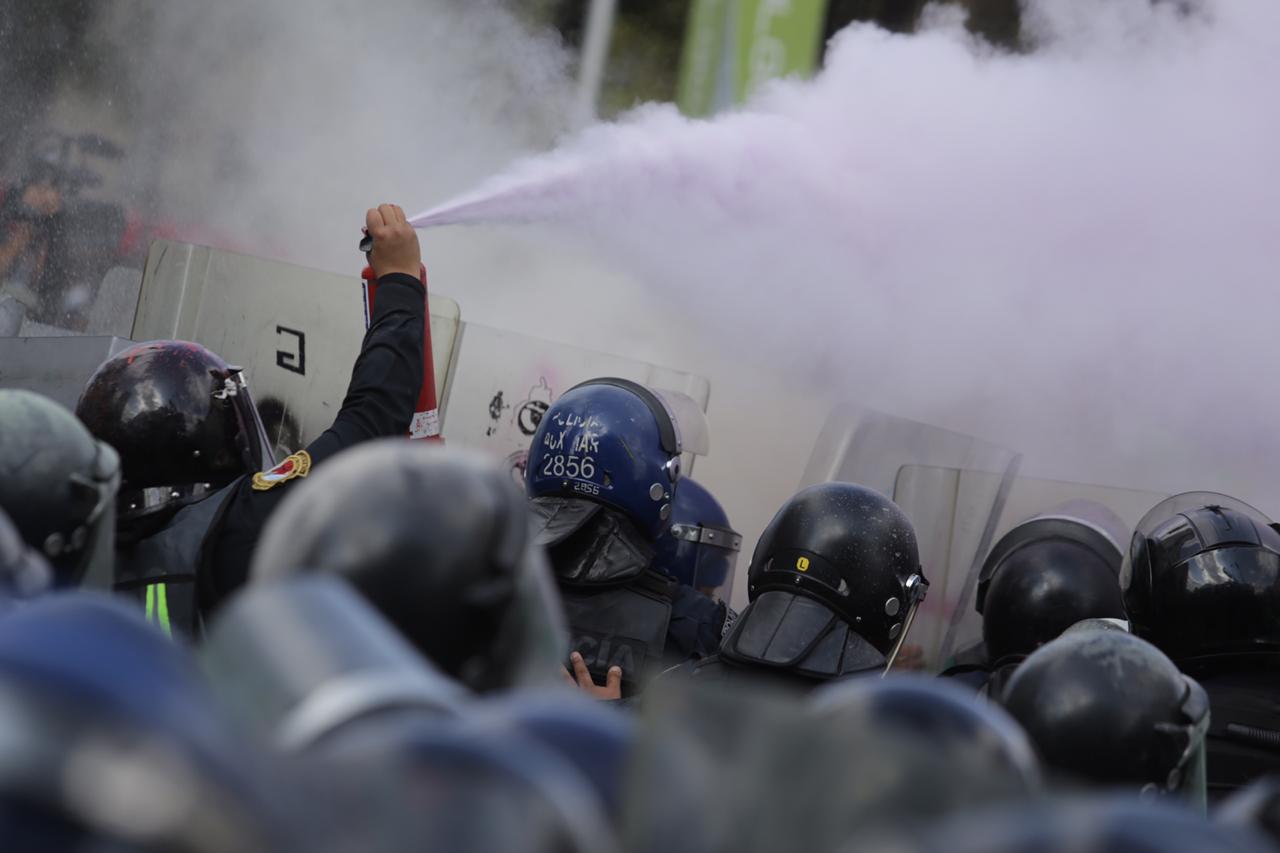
(502, 382)
(295, 330)
(1110, 512)
(952, 487)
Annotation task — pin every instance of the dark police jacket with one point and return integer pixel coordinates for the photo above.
(645, 626)
(182, 571)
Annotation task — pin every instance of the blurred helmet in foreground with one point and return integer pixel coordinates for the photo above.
(307, 662)
(58, 484)
(962, 727)
(117, 745)
(1110, 710)
(438, 541)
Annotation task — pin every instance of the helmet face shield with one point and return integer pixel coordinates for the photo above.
(255, 445)
(917, 589)
(92, 545)
(1201, 577)
(1166, 515)
(713, 553)
(1188, 778)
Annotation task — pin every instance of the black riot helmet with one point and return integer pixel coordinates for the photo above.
(439, 541)
(182, 420)
(1111, 710)
(58, 484)
(968, 729)
(834, 584)
(1202, 577)
(1047, 574)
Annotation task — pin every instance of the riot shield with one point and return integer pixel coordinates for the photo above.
(295, 330)
(1109, 511)
(952, 487)
(503, 382)
(57, 367)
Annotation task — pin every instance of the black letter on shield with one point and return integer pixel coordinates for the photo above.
(289, 361)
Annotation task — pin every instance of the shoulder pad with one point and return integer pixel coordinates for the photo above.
(296, 465)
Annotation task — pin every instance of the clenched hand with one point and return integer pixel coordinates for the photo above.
(395, 242)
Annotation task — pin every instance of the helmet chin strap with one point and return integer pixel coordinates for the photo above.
(917, 586)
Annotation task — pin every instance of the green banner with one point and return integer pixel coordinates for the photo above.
(732, 47)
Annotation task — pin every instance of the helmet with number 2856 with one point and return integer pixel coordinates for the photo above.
(605, 443)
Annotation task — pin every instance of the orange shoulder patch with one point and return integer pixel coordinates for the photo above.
(296, 465)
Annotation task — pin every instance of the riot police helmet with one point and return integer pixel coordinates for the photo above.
(834, 584)
(58, 484)
(438, 540)
(699, 547)
(606, 443)
(182, 420)
(1107, 709)
(120, 741)
(956, 722)
(597, 740)
(1047, 574)
(1202, 577)
(470, 788)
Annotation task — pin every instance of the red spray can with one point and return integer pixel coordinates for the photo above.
(426, 413)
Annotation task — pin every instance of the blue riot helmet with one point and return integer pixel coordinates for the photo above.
(605, 443)
(699, 548)
(603, 472)
(596, 740)
(111, 731)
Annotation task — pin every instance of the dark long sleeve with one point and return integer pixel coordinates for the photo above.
(387, 374)
(380, 400)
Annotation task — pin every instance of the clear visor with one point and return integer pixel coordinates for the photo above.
(917, 589)
(1189, 778)
(714, 557)
(1169, 508)
(97, 532)
(694, 434)
(261, 455)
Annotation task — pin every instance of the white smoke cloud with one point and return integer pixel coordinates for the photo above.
(1072, 251)
(271, 126)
